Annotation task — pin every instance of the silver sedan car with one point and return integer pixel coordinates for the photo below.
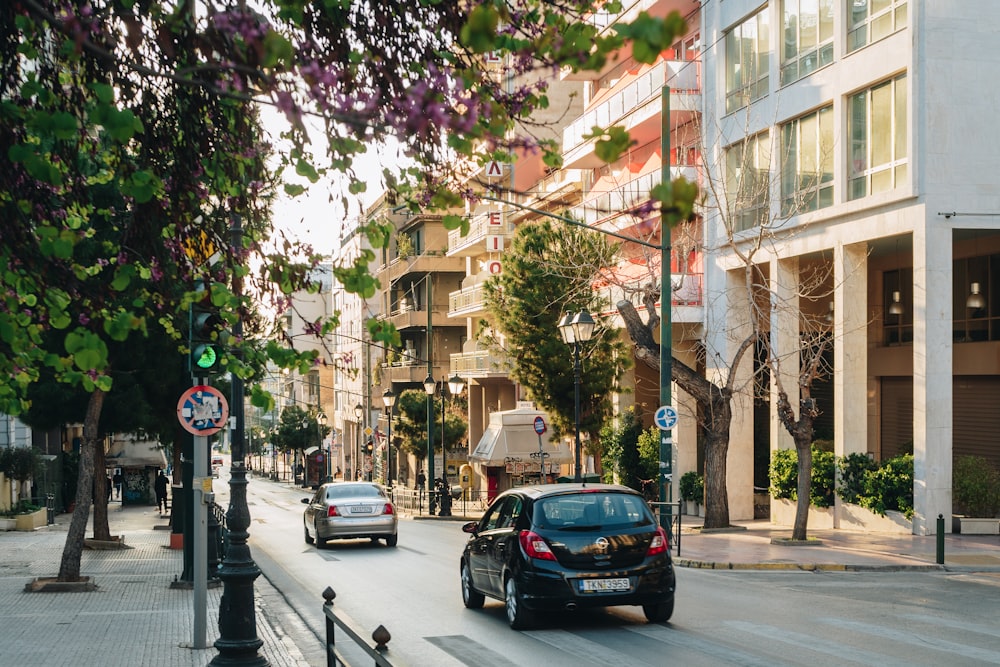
(349, 510)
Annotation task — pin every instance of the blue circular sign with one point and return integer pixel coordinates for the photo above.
(665, 418)
(539, 425)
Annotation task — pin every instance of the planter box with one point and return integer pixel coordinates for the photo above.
(855, 517)
(979, 526)
(36, 519)
(783, 514)
(7, 523)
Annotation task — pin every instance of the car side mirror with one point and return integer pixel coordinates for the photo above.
(472, 527)
(305, 501)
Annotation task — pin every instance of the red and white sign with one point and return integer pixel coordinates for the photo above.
(494, 243)
(494, 267)
(202, 410)
(494, 169)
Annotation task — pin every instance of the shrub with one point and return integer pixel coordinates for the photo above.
(783, 475)
(852, 475)
(976, 486)
(692, 486)
(890, 487)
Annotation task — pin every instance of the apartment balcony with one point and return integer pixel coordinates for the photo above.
(407, 372)
(479, 364)
(637, 107)
(559, 188)
(416, 318)
(425, 263)
(686, 296)
(608, 205)
(481, 226)
(605, 22)
(467, 302)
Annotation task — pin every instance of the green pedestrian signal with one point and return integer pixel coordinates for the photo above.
(206, 337)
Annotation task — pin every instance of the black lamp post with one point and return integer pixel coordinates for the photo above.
(577, 329)
(430, 387)
(455, 386)
(321, 421)
(389, 399)
(359, 412)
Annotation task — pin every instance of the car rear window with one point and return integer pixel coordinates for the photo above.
(588, 509)
(354, 491)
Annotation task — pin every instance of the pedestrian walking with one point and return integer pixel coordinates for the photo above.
(117, 480)
(107, 484)
(161, 492)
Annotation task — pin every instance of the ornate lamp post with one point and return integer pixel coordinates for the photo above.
(389, 399)
(455, 386)
(359, 412)
(321, 421)
(430, 387)
(577, 329)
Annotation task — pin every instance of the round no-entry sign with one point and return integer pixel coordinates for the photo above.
(539, 425)
(202, 410)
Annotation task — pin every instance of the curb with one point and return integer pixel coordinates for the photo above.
(805, 567)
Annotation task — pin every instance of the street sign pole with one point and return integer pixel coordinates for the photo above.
(200, 544)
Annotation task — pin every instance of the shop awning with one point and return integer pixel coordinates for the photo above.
(127, 452)
(511, 435)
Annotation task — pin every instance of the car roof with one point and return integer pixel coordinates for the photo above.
(538, 491)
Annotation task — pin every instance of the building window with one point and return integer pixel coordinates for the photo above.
(897, 322)
(807, 162)
(877, 130)
(747, 62)
(870, 20)
(974, 324)
(808, 43)
(748, 182)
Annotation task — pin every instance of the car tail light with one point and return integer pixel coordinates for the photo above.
(659, 544)
(332, 511)
(535, 546)
(388, 509)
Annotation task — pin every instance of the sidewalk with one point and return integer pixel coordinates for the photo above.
(757, 545)
(134, 617)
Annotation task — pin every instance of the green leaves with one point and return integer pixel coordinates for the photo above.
(479, 33)
(650, 35)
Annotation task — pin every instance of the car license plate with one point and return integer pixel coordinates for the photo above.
(361, 509)
(601, 585)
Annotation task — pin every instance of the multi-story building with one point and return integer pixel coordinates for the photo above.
(852, 138)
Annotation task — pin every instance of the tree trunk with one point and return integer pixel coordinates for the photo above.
(69, 567)
(716, 499)
(804, 451)
(101, 529)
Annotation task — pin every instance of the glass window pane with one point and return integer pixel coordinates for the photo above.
(881, 26)
(826, 9)
(826, 144)
(859, 12)
(882, 181)
(858, 132)
(808, 25)
(791, 29)
(881, 134)
(900, 113)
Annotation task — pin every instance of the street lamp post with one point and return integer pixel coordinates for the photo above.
(321, 420)
(577, 329)
(455, 386)
(359, 412)
(389, 399)
(430, 387)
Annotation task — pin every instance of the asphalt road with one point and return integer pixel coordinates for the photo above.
(734, 618)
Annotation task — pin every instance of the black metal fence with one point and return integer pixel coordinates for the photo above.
(675, 521)
(376, 650)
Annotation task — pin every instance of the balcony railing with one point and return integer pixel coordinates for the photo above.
(686, 290)
(467, 301)
(479, 228)
(682, 75)
(480, 363)
(613, 202)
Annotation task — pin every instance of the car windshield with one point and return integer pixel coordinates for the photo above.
(589, 510)
(353, 491)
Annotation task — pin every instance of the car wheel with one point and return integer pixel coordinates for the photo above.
(659, 612)
(472, 598)
(390, 540)
(518, 616)
(305, 529)
(320, 542)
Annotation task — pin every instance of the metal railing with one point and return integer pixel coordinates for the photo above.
(675, 522)
(465, 502)
(335, 656)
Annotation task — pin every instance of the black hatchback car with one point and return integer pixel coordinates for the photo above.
(568, 546)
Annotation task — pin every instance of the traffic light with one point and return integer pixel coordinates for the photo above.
(206, 336)
(369, 447)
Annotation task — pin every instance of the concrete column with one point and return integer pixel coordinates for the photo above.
(785, 313)
(739, 465)
(932, 376)
(850, 351)
(685, 434)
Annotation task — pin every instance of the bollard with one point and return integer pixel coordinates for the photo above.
(940, 539)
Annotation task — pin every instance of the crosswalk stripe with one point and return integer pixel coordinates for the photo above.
(810, 642)
(912, 639)
(574, 644)
(699, 644)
